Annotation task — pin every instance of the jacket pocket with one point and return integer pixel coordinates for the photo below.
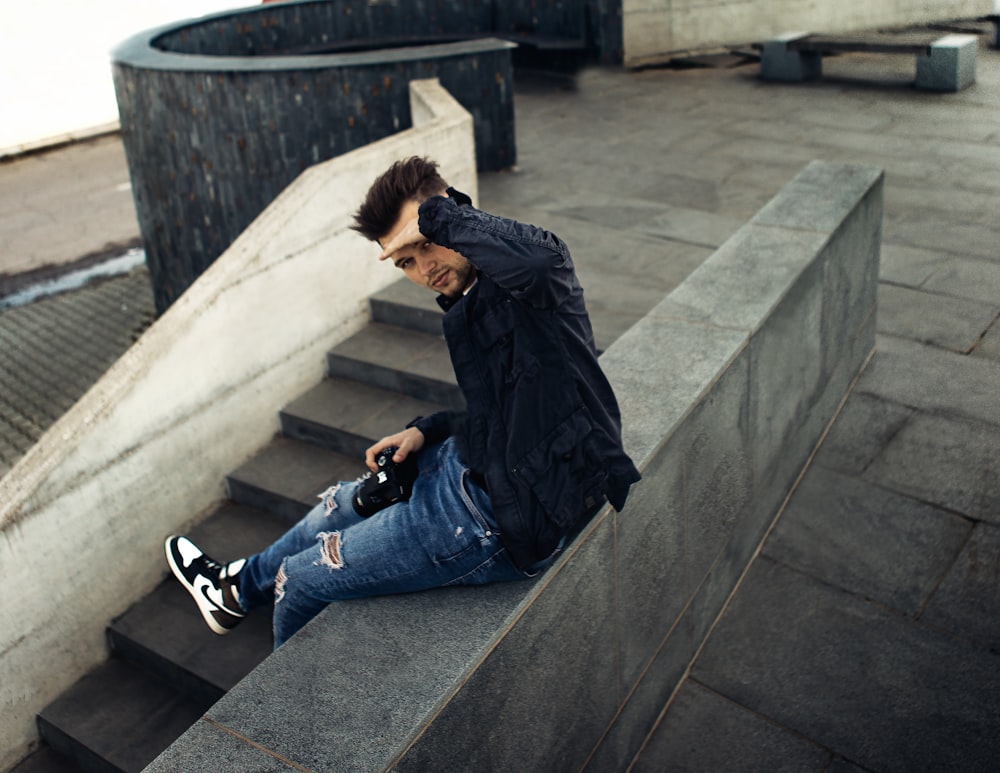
(564, 470)
(501, 332)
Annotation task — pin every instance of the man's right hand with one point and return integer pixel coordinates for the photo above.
(409, 441)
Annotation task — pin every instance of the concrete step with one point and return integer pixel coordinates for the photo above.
(45, 760)
(117, 718)
(345, 416)
(168, 667)
(286, 477)
(400, 360)
(164, 633)
(405, 305)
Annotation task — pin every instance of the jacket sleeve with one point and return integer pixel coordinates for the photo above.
(438, 426)
(532, 264)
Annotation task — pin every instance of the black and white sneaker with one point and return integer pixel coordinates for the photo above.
(213, 586)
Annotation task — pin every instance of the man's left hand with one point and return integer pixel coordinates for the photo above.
(409, 441)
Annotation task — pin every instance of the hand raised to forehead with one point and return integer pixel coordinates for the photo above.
(408, 236)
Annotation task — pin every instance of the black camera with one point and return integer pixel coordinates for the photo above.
(390, 484)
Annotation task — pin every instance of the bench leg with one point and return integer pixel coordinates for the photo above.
(778, 63)
(951, 64)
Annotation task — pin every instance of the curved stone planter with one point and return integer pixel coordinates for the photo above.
(220, 114)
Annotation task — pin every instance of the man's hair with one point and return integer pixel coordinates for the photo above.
(410, 179)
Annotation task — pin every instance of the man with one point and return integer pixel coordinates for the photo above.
(501, 485)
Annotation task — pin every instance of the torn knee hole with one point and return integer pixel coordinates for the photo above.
(329, 503)
(330, 554)
(279, 583)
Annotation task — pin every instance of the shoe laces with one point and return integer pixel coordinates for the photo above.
(220, 571)
(222, 576)
(214, 567)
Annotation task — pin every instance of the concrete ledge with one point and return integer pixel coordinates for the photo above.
(147, 448)
(726, 388)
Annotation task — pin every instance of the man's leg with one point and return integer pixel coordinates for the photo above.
(334, 513)
(444, 535)
(224, 593)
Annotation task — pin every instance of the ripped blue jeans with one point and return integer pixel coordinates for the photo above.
(443, 535)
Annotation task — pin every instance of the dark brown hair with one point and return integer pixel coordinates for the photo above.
(409, 179)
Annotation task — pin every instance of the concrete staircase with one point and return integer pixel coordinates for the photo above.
(166, 667)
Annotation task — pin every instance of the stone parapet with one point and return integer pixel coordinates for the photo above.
(726, 388)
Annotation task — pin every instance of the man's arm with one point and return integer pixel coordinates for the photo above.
(419, 432)
(532, 264)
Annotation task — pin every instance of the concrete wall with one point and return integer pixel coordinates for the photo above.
(654, 28)
(726, 387)
(146, 450)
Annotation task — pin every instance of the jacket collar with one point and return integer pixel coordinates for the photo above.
(460, 197)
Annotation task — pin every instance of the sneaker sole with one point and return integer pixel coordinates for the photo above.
(205, 606)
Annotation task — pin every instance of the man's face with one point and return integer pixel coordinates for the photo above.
(427, 264)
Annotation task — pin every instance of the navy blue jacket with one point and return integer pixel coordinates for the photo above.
(541, 425)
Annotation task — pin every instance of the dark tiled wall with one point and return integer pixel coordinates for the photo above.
(209, 149)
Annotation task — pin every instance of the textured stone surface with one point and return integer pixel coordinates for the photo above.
(134, 720)
(652, 565)
(853, 676)
(208, 746)
(692, 355)
(869, 541)
(63, 205)
(967, 278)
(287, 476)
(405, 361)
(909, 266)
(949, 462)
(716, 449)
(968, 601)
(47, 363)
(821, 197)
(746, 278)
(989, 345)
(366, 679)
(561, 653)
(863, 427)
(347, 416)
(933, 380)
(940, 320)
(705, 731)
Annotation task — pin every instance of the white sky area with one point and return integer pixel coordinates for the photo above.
(55, 64)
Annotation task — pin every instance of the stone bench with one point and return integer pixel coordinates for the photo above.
(944, 63)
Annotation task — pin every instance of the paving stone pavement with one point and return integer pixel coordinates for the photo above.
(866, 636)
(56, 348)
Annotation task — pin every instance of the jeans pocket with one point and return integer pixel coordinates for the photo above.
(465, 532)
